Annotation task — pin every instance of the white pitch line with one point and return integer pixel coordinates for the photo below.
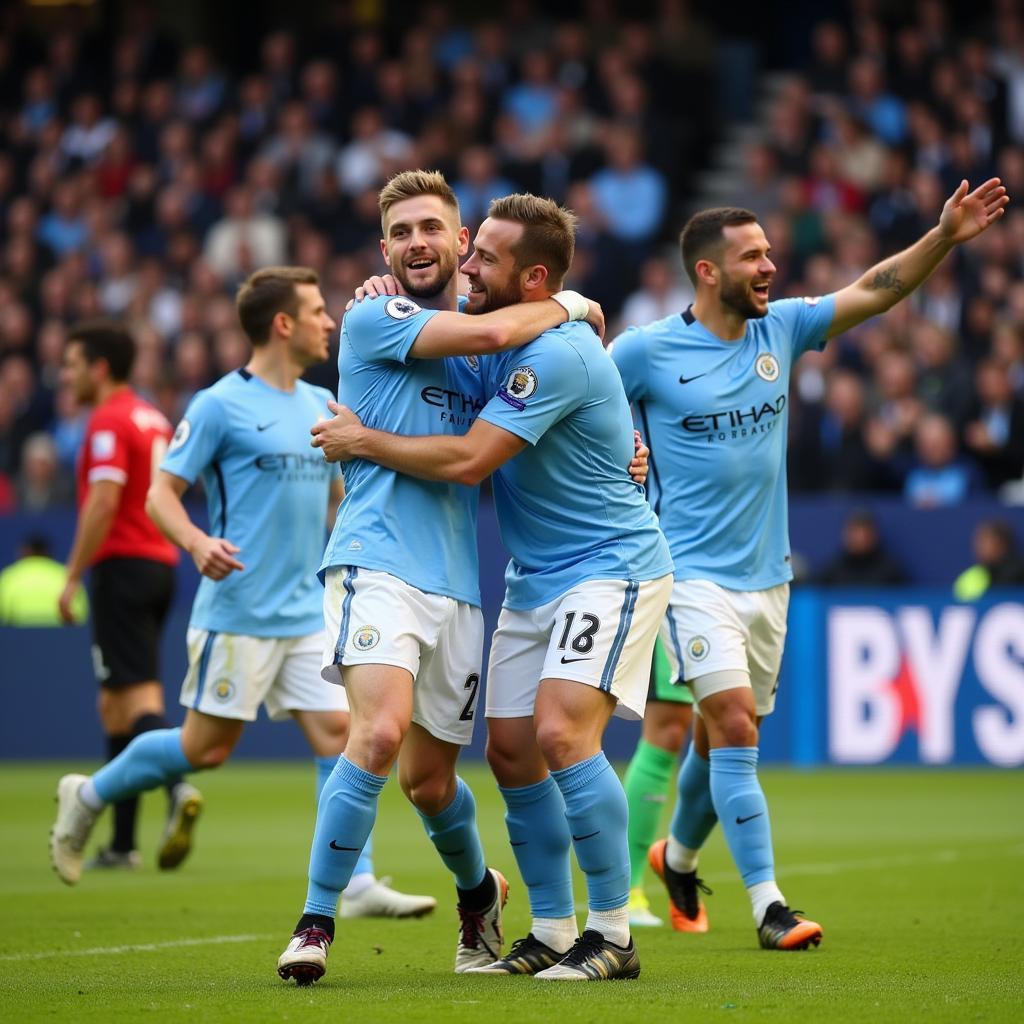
(142, 947)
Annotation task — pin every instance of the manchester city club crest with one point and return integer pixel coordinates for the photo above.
(365, 638)
(698, 648)
(767, 367)
(223, 690)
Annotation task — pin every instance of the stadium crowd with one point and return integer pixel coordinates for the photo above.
(142, 176)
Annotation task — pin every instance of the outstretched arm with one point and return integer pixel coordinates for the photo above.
(964, 217)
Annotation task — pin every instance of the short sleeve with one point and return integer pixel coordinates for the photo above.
(629, 353)
(540, 384)
(106, 452)
(197, 438)
(806, 321)
(384, 329)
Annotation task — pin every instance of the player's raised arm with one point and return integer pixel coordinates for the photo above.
(964, 216)
(214, 556)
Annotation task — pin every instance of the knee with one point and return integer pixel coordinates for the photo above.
(378, 743)
(212, 755)
(668, 736)
(737, 727)
(503, 758)
(429, 792)
(558, 743)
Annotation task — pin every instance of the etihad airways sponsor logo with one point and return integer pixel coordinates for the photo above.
(753, 419)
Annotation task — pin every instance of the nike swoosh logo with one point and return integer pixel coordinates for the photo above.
(335, 846)
(589, 835)
(263, 426)
(523, 843)
(569, 661)
(741, 821)
(686, 380)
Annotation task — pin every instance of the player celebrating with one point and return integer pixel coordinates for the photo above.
(132, 579)
(401, 597)
(711, 387)
(256, 630)
(586, 587)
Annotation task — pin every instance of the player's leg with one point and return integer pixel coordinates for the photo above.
(321, 711)
(444, 712)
(534, 808)
(226, 680)
(131, 598)
(649, 774)
(377, 666)
(731, 708)
(380, 700)
(603, 638)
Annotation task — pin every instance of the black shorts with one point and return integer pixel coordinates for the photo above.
(130, 601)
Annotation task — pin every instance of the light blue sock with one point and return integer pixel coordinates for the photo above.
(743, 812)
(324, 767)
(597, 814)
(345, 816)
(539, 834)
(694, 815)
(455, 837)
(150, 760)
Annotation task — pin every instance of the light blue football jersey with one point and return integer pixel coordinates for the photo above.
(714, 414)
(420, 531)
(267, 492)
(567, 508)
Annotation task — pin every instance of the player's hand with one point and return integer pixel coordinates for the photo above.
(67, 597)
(638, 467)
(336, 437)
(595, 317)
(966, 215)
(373, 287)
(215, 557)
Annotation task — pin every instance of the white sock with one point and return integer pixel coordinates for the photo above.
(557, 932)
(359, 883)
(679, 857)
(612, 924)
(762, 896)
(88, 795)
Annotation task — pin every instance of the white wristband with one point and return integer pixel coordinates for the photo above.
(575, 305)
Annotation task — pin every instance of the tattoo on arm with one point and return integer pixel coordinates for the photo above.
(887, 278)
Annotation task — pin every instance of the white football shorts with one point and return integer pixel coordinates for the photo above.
(709, 628)
(374, 618)
(230, 675)
(600, 633)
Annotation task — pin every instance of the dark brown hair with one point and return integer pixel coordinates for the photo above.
(266, 293)
(108, 340)
(549, 232)
(702, 236)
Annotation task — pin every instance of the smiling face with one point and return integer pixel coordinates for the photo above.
(422, 244)
(744, 271)
(493, 270)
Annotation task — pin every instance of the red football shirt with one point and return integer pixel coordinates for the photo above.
(125, 441)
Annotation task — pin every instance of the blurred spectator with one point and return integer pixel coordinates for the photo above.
(999, 561)
(941, 476)
(662, 293)
(995, 433)
(244, 240)
(477, 184)
(42, 482)
(31, 585)
(374, 153)
(629, 194)
(298, 150)
(862, 560)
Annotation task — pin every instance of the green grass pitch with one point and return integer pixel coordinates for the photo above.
(917, 878)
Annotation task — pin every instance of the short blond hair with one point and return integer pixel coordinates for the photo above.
(549, 232)
(410, 184)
